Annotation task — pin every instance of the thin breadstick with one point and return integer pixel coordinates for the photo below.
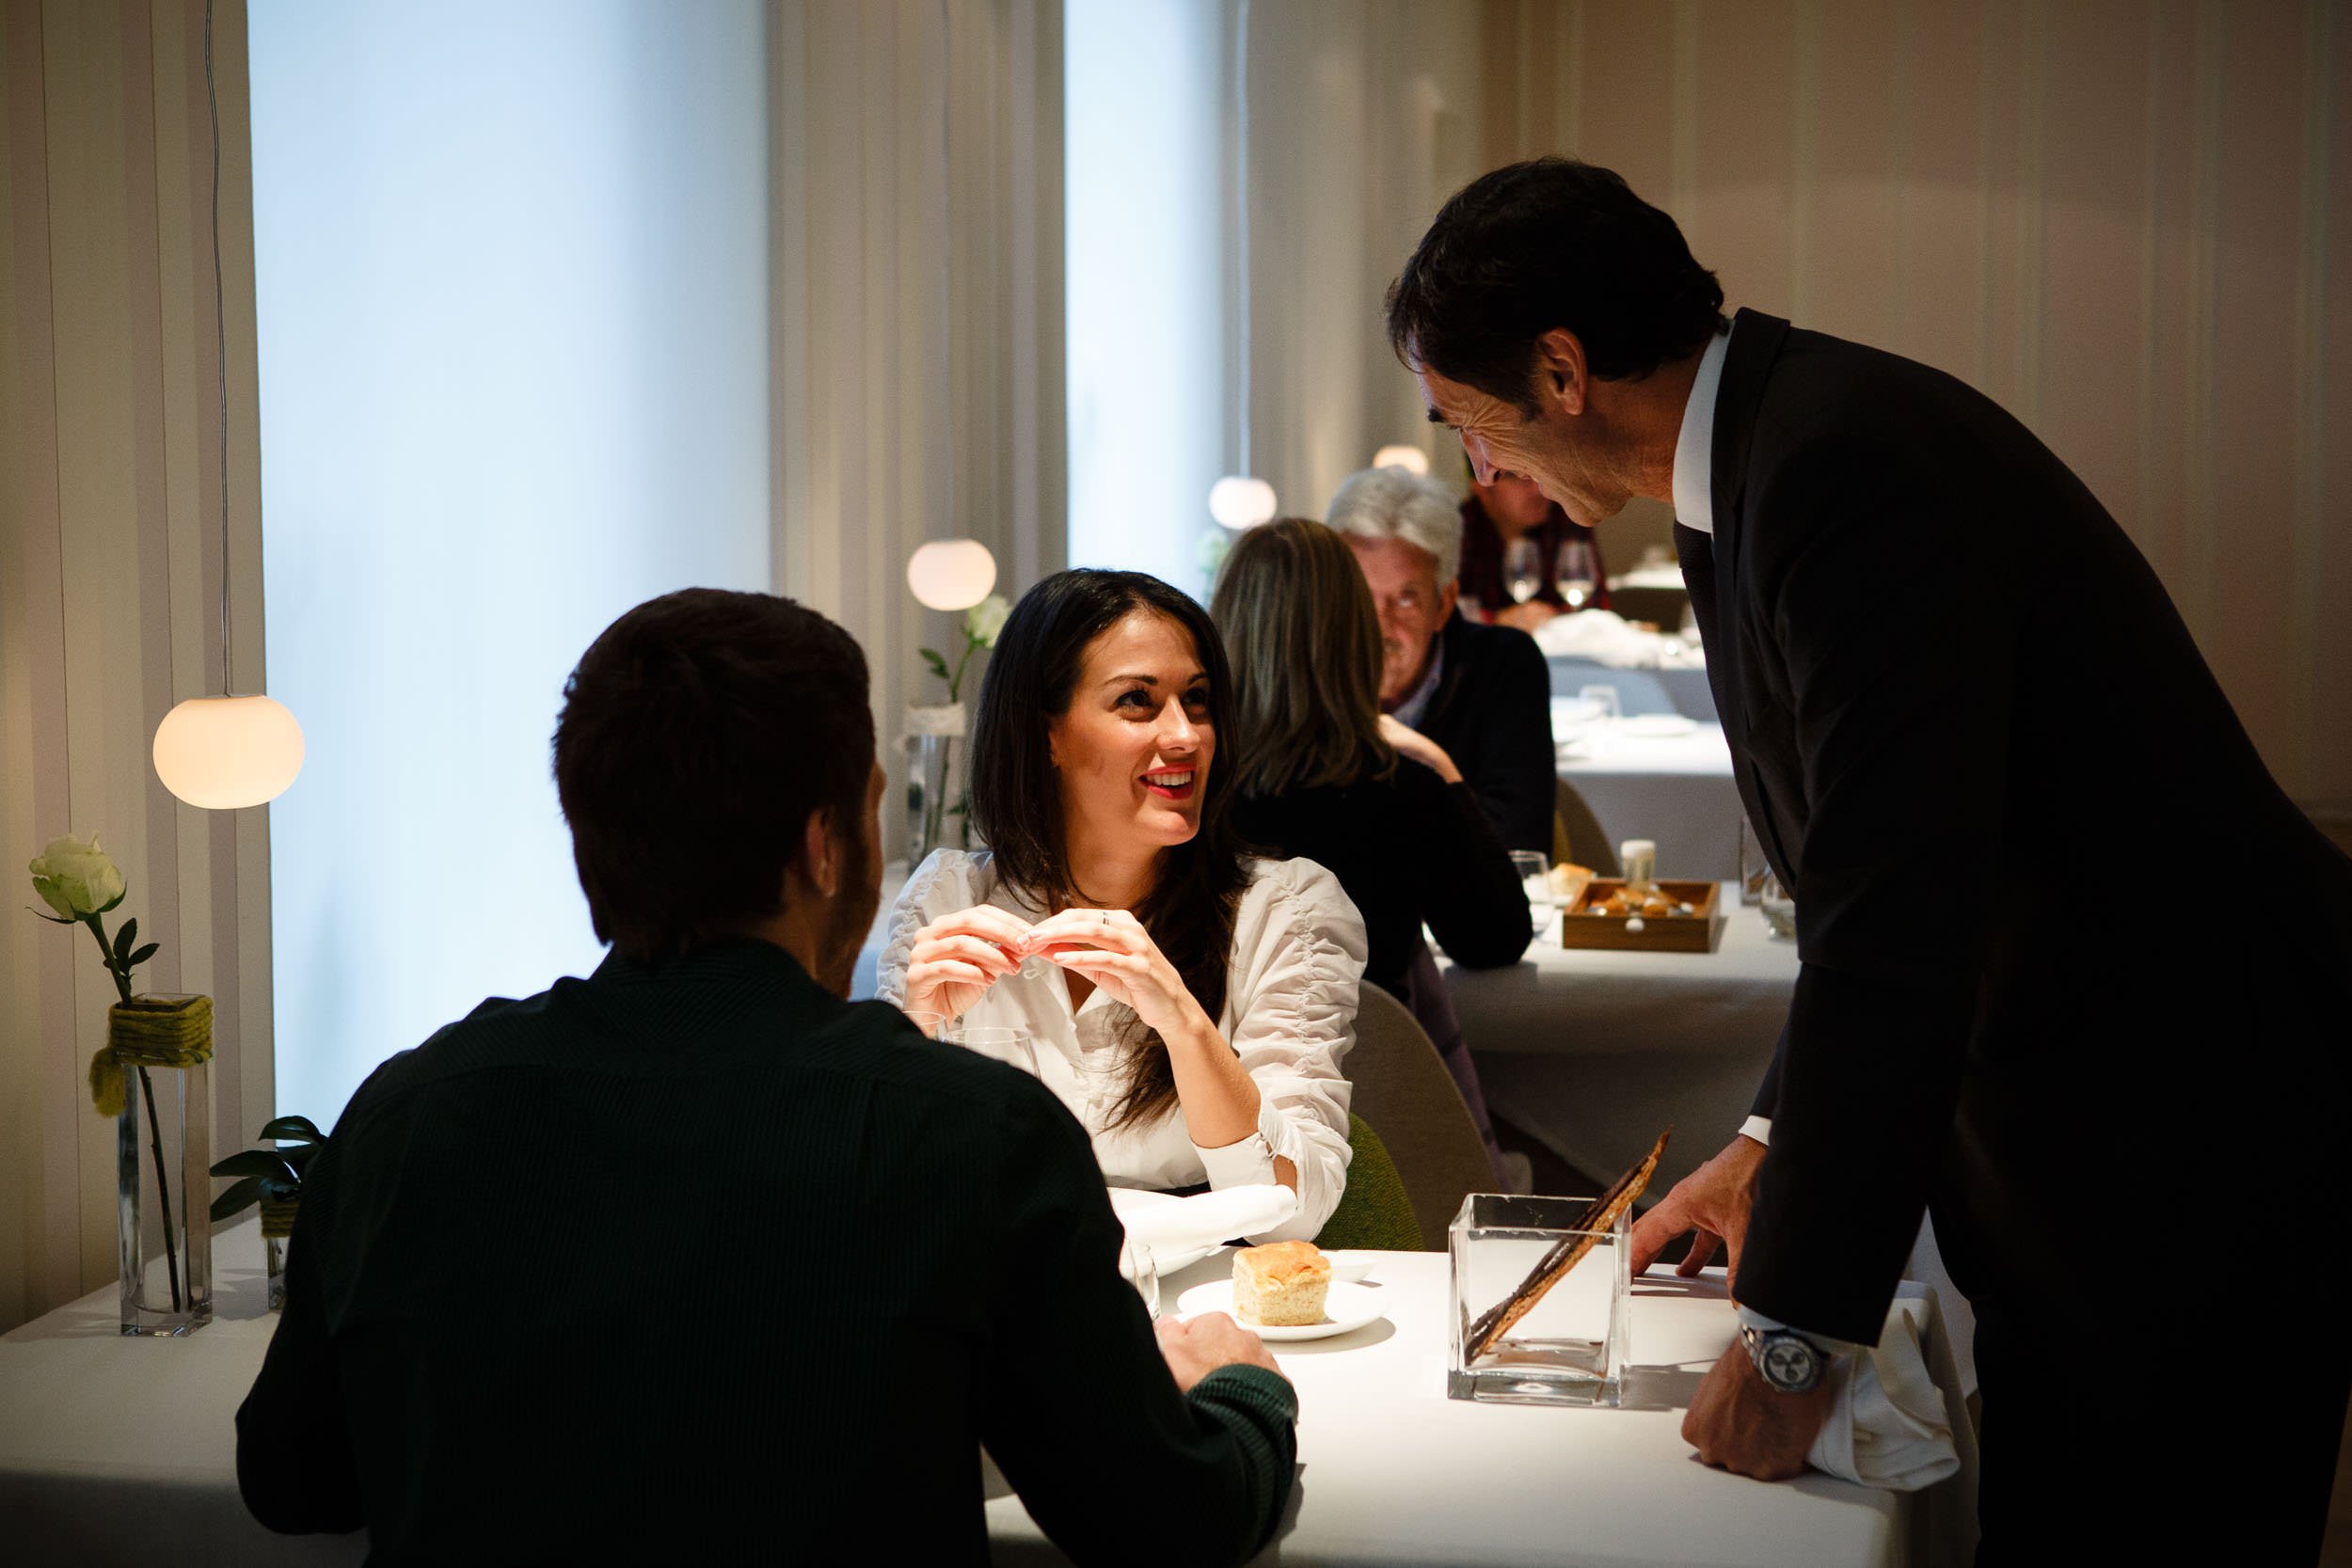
(1598, 1216)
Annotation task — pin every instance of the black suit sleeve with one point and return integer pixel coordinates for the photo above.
(1512, 766)
(1077, 1406)
(1899, 647)
(1463, 882)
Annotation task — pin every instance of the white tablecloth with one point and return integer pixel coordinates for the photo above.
(1676, 790)
(1683, 691)
(1593, 1052)
(123, 1450)
(1392, 1472)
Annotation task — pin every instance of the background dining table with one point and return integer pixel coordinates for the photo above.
(1674, 789)
(124, 1451)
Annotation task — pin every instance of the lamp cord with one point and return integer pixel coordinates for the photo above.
(1241, 206)
(220, 348)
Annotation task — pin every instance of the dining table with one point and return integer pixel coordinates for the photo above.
(118, 1449)
(1662, 777)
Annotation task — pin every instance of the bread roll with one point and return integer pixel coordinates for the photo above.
(1281, 1285)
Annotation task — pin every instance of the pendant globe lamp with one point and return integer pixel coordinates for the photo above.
(952, 574)
(1242, 500)
(226, 752)
(1411, 459)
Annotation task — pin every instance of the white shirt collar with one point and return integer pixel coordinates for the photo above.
(1694, 448)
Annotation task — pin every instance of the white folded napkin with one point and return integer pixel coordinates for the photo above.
(1205, 1220)
(1889, 1427)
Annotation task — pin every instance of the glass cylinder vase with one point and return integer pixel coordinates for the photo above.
(163, 1164)
(934, 815)
(278, 1222)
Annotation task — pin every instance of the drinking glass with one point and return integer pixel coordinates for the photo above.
(1607, 697)
(1577, 574)
(1753, 869)
(1522, 570)
(1780, 907)
(1013, 1047)
(1137, 1268)
(1534, 869)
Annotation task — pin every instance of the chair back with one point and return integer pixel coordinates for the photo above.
(1576, 834)
(1402, 1088)
(1374, 1211)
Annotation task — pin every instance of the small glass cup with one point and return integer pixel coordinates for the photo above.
(1534, 869)
(1780, 907)
(932, 1024)
(1571, 1347)
(1138, 1269)
(1606, 696)
(1015, 1047)
(1754, 867)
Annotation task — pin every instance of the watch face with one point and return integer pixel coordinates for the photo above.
(1789, 1363)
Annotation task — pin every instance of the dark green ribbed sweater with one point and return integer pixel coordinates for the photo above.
(670, 1264)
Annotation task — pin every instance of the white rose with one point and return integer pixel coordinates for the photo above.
(983, 621)
(77, 879)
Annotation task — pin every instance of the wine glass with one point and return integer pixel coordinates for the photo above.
(1137, 1267)
(1577, 574)
(1013, 1047)
(1522, 570)
(1534, 869)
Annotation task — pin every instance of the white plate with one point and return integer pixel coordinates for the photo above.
(1345, 1307)
(1657, 726)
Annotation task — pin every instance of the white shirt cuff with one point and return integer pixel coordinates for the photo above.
(1247, 1163)
(1751, 1318)
(1758, 1128)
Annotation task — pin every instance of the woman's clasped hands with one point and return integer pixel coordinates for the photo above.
(957, 957)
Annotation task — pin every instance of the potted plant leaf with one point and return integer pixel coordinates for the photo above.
(273, 1178)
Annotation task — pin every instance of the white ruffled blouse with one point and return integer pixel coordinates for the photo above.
(1290, 1016)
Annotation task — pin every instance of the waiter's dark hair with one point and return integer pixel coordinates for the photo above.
(1017, 798)
(698, 733)
(1549, 242)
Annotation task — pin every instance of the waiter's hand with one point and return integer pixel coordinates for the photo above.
(1711, 1202)
(1740, 1423)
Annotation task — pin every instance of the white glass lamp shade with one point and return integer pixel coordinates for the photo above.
(952, 574)
(1411, 459)
(1238, 503)
(222, 753)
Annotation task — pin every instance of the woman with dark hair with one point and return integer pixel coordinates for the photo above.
(1189, 1004)
(1322, 772)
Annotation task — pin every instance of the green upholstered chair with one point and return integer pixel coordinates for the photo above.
(1402, 1088)
(1373, 1211)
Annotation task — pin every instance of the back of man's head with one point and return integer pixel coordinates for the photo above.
(699, 732)
(1549, 242)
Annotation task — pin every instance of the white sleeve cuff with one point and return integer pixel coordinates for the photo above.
(1247, 1163)
(1751, 1318)
(1758, 1128)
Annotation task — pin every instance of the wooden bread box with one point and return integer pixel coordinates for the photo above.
(1700, 931)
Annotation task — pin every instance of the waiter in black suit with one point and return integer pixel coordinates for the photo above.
(2110, 1073)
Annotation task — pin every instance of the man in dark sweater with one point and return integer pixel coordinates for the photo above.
(1482, 693)
(692, 1256)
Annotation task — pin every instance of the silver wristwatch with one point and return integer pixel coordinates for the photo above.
(1785, 1359)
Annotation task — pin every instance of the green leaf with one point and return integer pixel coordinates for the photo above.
(55, 919)
(256, 1162)
(299, 1157)
(124, 938)
(292, 1129)
(107, 907)
(243, 1195)
(143, 955)
(937, 661)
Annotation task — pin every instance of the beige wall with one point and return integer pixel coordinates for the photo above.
(110, 580)
(2129, 221)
